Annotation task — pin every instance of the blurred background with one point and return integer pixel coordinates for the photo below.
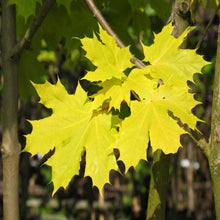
(56, 52)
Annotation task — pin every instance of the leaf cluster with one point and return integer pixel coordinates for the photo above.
(155, 96)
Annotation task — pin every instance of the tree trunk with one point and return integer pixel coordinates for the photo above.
(158, 186)
(10, 145)
(160, 170)
(214, 158)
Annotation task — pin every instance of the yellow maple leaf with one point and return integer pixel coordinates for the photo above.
(72, 128)
(149, 120)
(168, 62)
(114, 90)
(111, 61)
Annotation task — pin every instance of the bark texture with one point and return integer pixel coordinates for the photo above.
(10, 145)
(214, 157)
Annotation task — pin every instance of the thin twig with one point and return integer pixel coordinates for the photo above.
(24, 43)
(200, 143)
(98, 15)
(204, 146)
(207, 27)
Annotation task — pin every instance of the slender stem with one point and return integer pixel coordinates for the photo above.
(214, 159)
(10, 60)
(26, 40)
(200, 143)
(10, 146)
(207, 27)
(98, 15)
(190, 181)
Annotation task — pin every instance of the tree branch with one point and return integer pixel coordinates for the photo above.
(24, 43)
(204, 146)
(98, 15)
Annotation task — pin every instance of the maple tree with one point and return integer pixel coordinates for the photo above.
(156, 96)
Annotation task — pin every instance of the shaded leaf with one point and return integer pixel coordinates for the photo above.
(25, 8)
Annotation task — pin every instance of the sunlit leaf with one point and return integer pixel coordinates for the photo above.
(72, 128)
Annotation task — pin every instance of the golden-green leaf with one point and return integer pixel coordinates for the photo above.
(113, 90)
(149, 120)
(110, 60)
(170, 63)
(72, 128)
(118, 90)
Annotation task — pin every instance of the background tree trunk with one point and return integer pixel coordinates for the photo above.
(214, 157)
(10, 145)
(158, 186)
(160, 170)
